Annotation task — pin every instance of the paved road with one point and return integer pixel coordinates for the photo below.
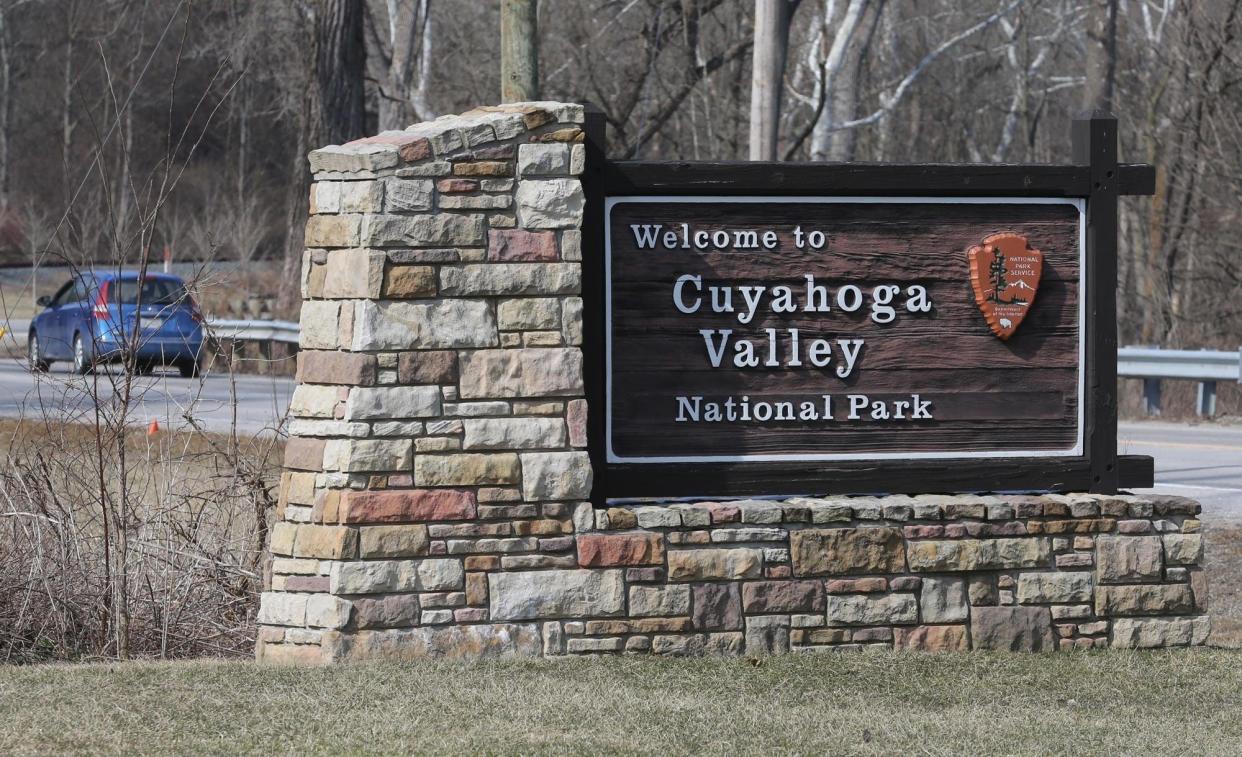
(1199, 461)
(261, 400)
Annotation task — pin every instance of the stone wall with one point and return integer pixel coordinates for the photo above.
(434, 499)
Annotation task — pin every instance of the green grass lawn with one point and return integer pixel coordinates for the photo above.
(1171, 702)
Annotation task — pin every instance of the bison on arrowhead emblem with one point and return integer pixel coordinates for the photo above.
(1004, 273)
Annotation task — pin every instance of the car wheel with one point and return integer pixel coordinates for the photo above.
(188, 368)
(35, 355)
(81, 363)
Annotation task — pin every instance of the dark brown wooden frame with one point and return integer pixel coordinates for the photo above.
(1095, 176)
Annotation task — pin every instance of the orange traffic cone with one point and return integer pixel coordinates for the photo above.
(154, 428)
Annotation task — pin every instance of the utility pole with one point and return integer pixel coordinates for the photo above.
(767, 76)
(519, 50)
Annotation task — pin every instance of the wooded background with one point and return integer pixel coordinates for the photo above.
(135, 125)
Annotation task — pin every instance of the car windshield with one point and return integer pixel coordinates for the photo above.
(154, 292)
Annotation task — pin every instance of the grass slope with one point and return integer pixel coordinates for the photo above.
(1095, 703)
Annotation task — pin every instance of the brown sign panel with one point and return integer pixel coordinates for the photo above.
(747, 329)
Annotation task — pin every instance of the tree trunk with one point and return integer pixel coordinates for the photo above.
(839, 84)
(6, 107)
(772, 18)
(1101, 55)
(519, 50)
(340, 70)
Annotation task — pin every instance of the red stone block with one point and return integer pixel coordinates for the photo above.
(856, 585)
(448, 186)
(931, 638)
(723, 513)
(305, 454)
(470, 615)
(429, 367)
(408, 505)
(923, 532)
(576, 417)
(599, 550)
(327, 367)
(307, 583)
(782, 596)
(779, 571)
(520, 245)
(409, 147)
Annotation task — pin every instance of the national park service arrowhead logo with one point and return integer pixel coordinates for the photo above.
(1004, 273)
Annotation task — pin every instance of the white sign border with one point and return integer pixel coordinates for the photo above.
(1079, 203)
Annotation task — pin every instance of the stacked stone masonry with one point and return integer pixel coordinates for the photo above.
(434, 497)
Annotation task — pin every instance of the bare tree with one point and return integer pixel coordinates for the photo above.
(399, 38)
(772, 18)
(340, 69)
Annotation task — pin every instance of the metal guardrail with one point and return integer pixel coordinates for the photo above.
(254, 331)
(1205, 366)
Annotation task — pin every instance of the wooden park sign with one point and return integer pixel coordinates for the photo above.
(783, 328)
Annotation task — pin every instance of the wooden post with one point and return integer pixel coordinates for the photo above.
(772, 19)
(594, 335)
(519, 50)
(1095, 145)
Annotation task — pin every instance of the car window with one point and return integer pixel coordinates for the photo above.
(62, 295)
(81, 291)
(154, 292)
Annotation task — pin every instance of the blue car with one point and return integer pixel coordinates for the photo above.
(94, 317)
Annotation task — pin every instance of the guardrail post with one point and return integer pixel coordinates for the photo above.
(1151, 396)
(1205, 404)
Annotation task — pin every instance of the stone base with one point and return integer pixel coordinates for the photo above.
(928, 573)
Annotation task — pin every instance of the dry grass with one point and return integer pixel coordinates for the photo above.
(1097, 703)
(1223, 564)
(181, 537)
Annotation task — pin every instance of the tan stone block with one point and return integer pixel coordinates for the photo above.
(1143, 599)
(1128, 558)
(467, 470)
(318, 326)
(841, 551)
(326, 542)
(282, 538)
(1057, 586)
(533, 372)
(510, 279)
(978, 554)
(361, 196)
(333, 230)
(327, 611)
(526, 313)
(556, 593)
(290, 654)
(314, 401)
(1151, 632)
(714, 564)
(1182, 549)
(354, 274)
(392, 541)
(476, 588)
(406, 281)
(300, 488)
(1012, 629)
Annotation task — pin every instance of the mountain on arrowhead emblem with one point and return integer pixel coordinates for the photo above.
(1004, 273)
